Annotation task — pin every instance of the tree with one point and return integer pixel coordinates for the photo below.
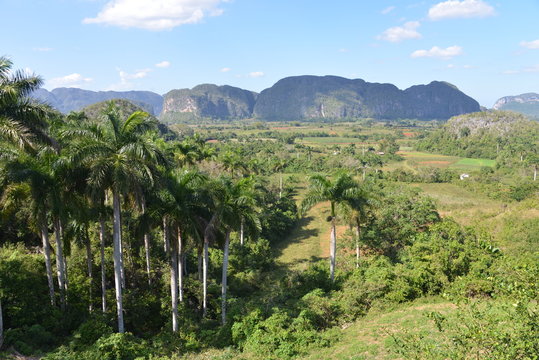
(323, 189)
(355, 207)
(120, 156)
(237, 205)
(532, 159)
(27, 179)
(179, 205)
(22, 120)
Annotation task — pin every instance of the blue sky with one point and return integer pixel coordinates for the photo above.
(487, 48)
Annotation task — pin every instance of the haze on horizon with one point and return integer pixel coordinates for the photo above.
(484, 47)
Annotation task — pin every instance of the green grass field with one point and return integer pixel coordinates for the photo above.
(414, 160)
(330, 140)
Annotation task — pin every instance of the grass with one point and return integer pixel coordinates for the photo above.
(332, 140)
(371, 336)
(414, 160)
(463, 205)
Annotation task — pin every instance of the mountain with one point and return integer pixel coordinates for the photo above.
(291, 98)
(208, 101)
(483, 134)
(527, 104)
(302, 97)
(126, 107)
(74, 99)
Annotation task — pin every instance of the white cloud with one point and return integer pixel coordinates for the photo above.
(400, 33)
(437, 52)
(163, 64)
(532, 69)
(155, 14)
(387, 10)
(510, 72)
(126, 79)
(256, 74)
(451, 66)
(72, 80)
(453, 9)
(42, 49)
(343, 50)
(225, 69)
(530, 44)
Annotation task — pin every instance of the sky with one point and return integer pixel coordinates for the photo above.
(487, 48)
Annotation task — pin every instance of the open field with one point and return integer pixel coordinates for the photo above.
(415, 159)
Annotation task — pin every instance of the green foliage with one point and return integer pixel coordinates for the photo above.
(507, 328)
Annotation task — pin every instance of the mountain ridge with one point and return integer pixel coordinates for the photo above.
(527, 104)
(291, 98)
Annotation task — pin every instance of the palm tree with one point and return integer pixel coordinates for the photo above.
(355, 208)
(120, 157)
(179, 206)
(22, 119)
(237, 200)
(27, 179)
(323, 189)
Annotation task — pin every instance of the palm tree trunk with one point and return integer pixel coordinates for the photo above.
(117, 239)
(121, 253)
(174, 286)
(180, 265)
(332, 249)
(281, 186)
(103, 275)
(358, 234)
(146, 244)
(166, 243)
(47, 253)
(241, 232)
(1, 326)
(205, 277)
(224, 278)
(90, 273)
(60, 262)
(199, 265)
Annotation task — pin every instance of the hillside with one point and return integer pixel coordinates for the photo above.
(303, 97)
(127, 107)
(74, 99)
(208, 101)
(527, 104)
(483, 134)
(291, 98)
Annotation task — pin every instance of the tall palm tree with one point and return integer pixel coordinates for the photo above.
(22, 119)
(120, 157)
(237, 206)
(28, 178)
(355, 207)
(322, 189)
(180, 204)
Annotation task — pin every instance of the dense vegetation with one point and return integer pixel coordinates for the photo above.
(124, 240)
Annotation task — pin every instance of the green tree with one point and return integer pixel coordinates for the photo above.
(120, 156)
(22, 120)
(336, 192)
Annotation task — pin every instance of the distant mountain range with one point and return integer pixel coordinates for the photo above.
(292, 98)
(74, 99)
(337, 97)
(527, 104)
